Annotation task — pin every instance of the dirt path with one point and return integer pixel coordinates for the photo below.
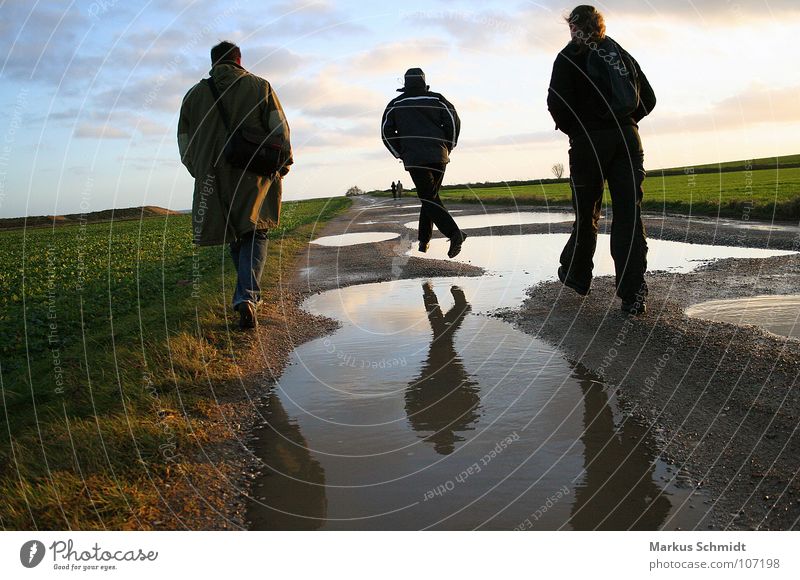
(722, 398)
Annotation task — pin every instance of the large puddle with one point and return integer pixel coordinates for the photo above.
(520, 261)
(423, 412)
(777, 314)
(517, 218)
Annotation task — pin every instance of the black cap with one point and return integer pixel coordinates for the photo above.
(414, 80)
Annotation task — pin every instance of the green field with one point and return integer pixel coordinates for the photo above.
(763, 194)
(110, 335)
(785, 161)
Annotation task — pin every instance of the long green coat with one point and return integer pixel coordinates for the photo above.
(229, 202)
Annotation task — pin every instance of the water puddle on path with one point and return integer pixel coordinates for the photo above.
(423, 412)
(778, 314)
(420, 412)
(517, 218)
(355, 238)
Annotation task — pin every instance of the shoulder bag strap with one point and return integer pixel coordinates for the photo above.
(218, 102)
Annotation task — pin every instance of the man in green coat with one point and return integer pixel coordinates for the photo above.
(232, 205)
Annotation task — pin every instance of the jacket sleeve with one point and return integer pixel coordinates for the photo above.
(451, 123)
(278, 125)
(561, 95)
(389, 132)
(647, 97)
(185, 132)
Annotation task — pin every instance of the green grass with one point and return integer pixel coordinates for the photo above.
(111, 337)
(743, 164)
(764, 194)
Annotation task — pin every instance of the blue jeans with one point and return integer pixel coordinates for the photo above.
(249, 254)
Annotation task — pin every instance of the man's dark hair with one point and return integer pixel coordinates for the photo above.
(225, 50)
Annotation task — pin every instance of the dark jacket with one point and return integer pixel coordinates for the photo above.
(576, 104)
(229, 202)
(420, 127)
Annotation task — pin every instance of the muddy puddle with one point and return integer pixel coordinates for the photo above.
(355, 238)
(423, 412)
(517, 218)
(777, 314)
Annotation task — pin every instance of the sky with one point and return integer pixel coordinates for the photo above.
(90, 90)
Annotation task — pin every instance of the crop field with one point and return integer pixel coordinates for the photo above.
(106, 331)
(765, 194)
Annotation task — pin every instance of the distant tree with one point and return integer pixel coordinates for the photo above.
(355, 190)
(558, 170)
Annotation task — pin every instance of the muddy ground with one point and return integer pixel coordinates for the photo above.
(722, 398)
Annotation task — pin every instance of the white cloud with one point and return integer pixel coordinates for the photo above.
(396, 57)
(755, 106)
(90, 131)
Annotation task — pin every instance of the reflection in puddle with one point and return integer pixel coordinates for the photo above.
(777, 314)
(443, 399)
(355, 238)
(294, 497)
(619, 470)
(517, 218)
(422, 412)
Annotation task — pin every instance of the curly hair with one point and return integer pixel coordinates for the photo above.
(588, 21)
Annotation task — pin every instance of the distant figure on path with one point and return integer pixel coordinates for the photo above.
(394, 190)
(421, 128)
(598, 94)
(233, 205)
(399, 189)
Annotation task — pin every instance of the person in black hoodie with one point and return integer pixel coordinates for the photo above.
(421, 128)
(598, 94)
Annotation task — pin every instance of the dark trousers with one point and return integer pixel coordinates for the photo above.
(249, 254)
(615, 156)
(428, 180)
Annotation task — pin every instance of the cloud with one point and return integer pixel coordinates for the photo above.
(339, 135)
(757, 105)
(514, 140)
(41, 43)
(716, 10)
(474, 30)
(327, 95)
(91, 131)
(396, 57)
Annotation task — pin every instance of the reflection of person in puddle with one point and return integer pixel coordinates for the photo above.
(618, 491)
(292, 482)
(442, 399)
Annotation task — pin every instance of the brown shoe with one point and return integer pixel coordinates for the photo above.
(247, 315)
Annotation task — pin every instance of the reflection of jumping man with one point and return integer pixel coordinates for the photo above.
(442, 398)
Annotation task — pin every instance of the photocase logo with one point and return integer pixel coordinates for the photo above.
(31, 553)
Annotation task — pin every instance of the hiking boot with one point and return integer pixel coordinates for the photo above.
(635, 307)
(423, 246)
(455, 244)
(247, 315)
(570, 283)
